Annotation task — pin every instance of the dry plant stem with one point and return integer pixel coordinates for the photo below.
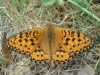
(95, 67)
(88, 66)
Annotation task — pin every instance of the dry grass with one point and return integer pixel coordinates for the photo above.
(16, 17)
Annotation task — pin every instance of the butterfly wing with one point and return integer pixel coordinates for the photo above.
(26, 42)
(70, 42)
(30, 43)
(41, 53)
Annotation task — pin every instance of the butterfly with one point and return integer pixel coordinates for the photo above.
(50, 44)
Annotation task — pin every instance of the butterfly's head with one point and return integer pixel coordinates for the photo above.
(48, 25)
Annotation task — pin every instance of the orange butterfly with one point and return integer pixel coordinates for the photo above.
(49, 44)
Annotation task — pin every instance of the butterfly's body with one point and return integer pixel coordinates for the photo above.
(49, 39)
(49, 44)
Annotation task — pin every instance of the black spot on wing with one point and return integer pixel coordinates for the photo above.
(79, 40)
(21, 35)
(65, 33)
(78, 34)
(32, 43)
(67, 39)
(72, 33)
(73, 45)
(26, 34)
(20, 40)
(31, 40)
(73, 39)
(66, 43)
(26, 40)
(35, 32)
(25, 46)
(20, 44)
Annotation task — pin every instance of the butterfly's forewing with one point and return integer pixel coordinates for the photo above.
(70, 43)
(26, 42)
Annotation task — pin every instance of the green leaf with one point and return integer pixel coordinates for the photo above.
(81, 2)
(60, 2)
(48, 2)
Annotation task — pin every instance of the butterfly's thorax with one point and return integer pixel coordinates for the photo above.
(49, 33)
